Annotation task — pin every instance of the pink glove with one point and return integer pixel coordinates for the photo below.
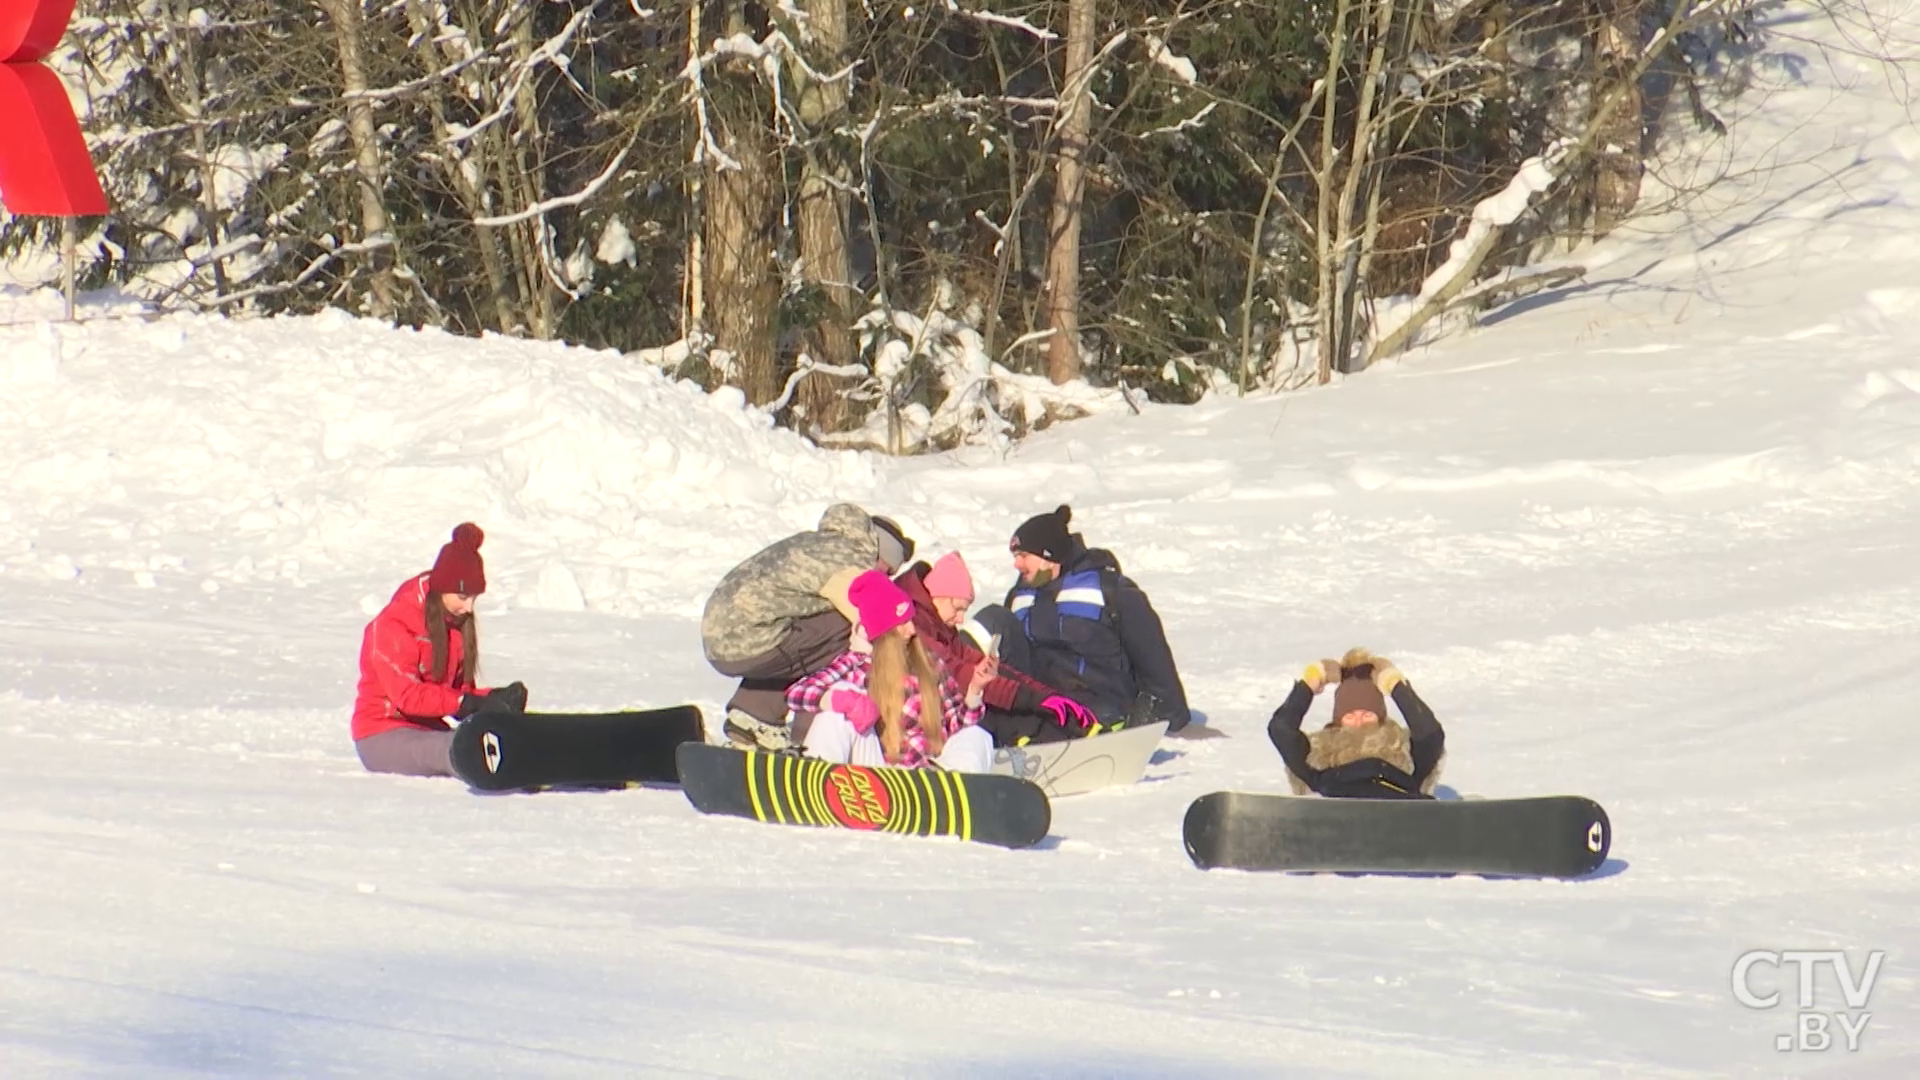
(1069, 713)
(857, 707)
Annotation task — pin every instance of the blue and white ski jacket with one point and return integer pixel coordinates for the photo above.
(1097, 638)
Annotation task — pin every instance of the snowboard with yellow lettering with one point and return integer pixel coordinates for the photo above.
(786, 789)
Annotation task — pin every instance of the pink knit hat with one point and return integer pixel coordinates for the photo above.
(881, 604)
(950, 578)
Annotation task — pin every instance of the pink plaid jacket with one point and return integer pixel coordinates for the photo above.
(850, 672)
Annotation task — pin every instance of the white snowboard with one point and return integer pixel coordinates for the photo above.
(1078, 766)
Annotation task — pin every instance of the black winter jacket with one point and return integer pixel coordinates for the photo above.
(1341, 765)
(1095, 635)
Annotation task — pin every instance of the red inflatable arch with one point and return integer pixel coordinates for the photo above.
(44, 167)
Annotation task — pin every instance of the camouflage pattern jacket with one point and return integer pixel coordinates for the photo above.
(806, 574)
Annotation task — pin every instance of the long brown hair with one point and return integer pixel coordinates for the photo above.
(894, 656)
(437, 637)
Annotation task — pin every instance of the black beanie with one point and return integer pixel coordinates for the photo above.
(1044, 535)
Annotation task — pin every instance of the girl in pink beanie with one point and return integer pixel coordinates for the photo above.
(894, 705)
(950, 584)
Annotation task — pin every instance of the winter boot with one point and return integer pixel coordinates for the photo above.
(748, 733)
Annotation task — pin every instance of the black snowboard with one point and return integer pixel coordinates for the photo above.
(1559, 836)
(501, 750)
(787, 789)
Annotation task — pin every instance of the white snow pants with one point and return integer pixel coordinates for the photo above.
(832, 738)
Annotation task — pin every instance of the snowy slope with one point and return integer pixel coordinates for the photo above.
(1649, 540)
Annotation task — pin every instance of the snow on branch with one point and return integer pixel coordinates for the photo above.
(765, 53)
(775, 45)
(592, 188)
(1188, 124)
(695, 73)
(976, 393)
(807, 365)
(390, 93)
(319, 263)
(786, 10)
(1011, 22)
(1179, 66)
(547, 51)
(1491, 216)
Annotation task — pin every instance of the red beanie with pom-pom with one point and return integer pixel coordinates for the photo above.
(459, 569)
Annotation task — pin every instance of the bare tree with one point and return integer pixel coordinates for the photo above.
(522, 175)
(1069, 195)
(192, 104)
(462, 161)
(1494, 216)
(1613, 43)
(402, 156)
(375, 226)
(821, 215)
(741, 216)
(693, 286)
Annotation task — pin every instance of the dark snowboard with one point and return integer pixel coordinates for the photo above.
(787, 789)
(1560, 836)
(502, 750)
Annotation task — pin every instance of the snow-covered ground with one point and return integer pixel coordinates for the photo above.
(1650, 539)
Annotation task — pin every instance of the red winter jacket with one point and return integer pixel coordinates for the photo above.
(1010, 691)
(396, 661)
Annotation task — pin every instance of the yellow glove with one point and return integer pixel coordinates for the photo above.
(1320, 673)
(1386, 676)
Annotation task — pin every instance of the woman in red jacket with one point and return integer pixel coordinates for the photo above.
(418, 664)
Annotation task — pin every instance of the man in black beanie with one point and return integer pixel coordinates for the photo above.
(1044, 539)
(1093, 632)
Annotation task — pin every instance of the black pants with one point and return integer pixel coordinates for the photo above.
(1009, 728)
(809, 645)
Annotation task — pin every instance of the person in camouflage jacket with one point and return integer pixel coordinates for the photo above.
(784, 613)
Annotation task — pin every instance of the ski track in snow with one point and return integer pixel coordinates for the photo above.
(1648, 539)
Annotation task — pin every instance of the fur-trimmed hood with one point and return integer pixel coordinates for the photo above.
(1333, 746)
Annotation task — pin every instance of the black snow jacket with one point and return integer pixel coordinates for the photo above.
(1379, 761)
(1095, 635)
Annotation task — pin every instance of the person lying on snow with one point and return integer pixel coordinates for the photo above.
(419, 663)
(1020, 708)
(890, 702)
(1093, 632)
(1359, 754)
(783, 613)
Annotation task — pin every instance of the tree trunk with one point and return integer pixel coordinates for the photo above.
(522, 266)
(526, 187)
(1394, 22)
(1617, 161)
(693, 289)
(464, 165)
(345, 17)
(195, 107)
(743, 292)
(1327, 250)
(1363, 172)
(822, 213)
(740, 258)
(1069, 194)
